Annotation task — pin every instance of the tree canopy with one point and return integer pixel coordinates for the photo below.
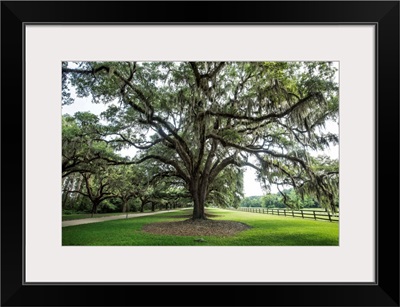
(200, 123)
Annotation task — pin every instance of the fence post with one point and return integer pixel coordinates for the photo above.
(284, 211)
(302, 215)
(315, 218)
(292, 213)
(263, 210)
(278, 211)
(330, 219)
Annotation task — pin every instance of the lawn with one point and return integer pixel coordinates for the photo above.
(266, 230)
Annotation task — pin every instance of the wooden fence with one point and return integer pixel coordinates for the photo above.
(305, 214)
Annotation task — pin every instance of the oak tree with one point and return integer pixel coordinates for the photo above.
(198, 120)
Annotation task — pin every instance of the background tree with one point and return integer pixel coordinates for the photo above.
(272, 201)
(83, 142)
(72, 182)
(96, 189)
(251, 201)
(123, 181)
(296, 201)
(205, 117)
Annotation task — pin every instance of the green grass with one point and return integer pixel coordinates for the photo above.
(266, 230)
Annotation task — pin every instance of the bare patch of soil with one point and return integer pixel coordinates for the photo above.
(196, 228)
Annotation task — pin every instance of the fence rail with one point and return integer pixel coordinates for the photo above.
(305, 214)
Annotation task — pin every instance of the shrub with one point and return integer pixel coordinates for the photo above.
(107, 207)
(67, 212)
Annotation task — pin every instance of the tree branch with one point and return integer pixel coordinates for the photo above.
(224, 163)
(85, 72)
(264, 117)
(165, 161)
(253, 151)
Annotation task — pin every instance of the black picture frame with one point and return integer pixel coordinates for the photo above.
(384, 15)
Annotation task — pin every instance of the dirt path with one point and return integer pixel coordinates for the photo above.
(109, 218)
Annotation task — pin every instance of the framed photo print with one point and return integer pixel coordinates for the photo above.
(239, 153)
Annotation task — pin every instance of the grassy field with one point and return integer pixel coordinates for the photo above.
(265, 230)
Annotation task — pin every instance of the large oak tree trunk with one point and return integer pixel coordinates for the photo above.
(199, 199)
(198, 210)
